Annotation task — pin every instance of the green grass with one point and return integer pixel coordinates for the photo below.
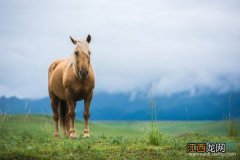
(31, 137)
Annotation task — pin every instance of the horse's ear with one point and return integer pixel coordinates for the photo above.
(73, 40)
(89, 38)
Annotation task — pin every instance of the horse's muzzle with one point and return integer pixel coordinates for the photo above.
(83, 73)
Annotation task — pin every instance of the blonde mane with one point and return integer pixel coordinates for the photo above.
(73, 63)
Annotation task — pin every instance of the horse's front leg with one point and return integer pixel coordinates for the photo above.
(71, 114)
(86, 114)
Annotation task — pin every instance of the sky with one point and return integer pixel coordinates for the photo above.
(188, 46)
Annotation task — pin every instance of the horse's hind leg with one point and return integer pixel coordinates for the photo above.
(54, 104)
(67, 124)
(64, 120)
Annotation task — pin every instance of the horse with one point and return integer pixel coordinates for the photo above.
(71, 80)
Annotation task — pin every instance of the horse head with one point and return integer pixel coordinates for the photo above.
(81, 57)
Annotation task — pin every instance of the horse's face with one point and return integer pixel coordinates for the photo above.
(82, 56)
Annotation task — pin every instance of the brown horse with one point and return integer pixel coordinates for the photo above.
(71, 80)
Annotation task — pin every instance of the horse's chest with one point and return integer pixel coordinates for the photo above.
(79, 91)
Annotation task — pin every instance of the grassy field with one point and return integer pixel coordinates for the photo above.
(31, 137)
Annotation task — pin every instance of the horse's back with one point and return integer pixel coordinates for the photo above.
(53, 66)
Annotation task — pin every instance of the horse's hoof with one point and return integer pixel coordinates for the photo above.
(86, 135)
(73, 136)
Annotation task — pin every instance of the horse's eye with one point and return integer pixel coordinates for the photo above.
(89, 52)
(76, 52)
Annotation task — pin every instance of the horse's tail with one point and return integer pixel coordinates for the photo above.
(62, 110)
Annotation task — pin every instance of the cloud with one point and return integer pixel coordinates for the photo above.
(180, 46)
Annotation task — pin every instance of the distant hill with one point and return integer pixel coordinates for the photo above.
(119, 107)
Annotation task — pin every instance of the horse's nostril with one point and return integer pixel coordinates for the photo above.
(84, 73)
